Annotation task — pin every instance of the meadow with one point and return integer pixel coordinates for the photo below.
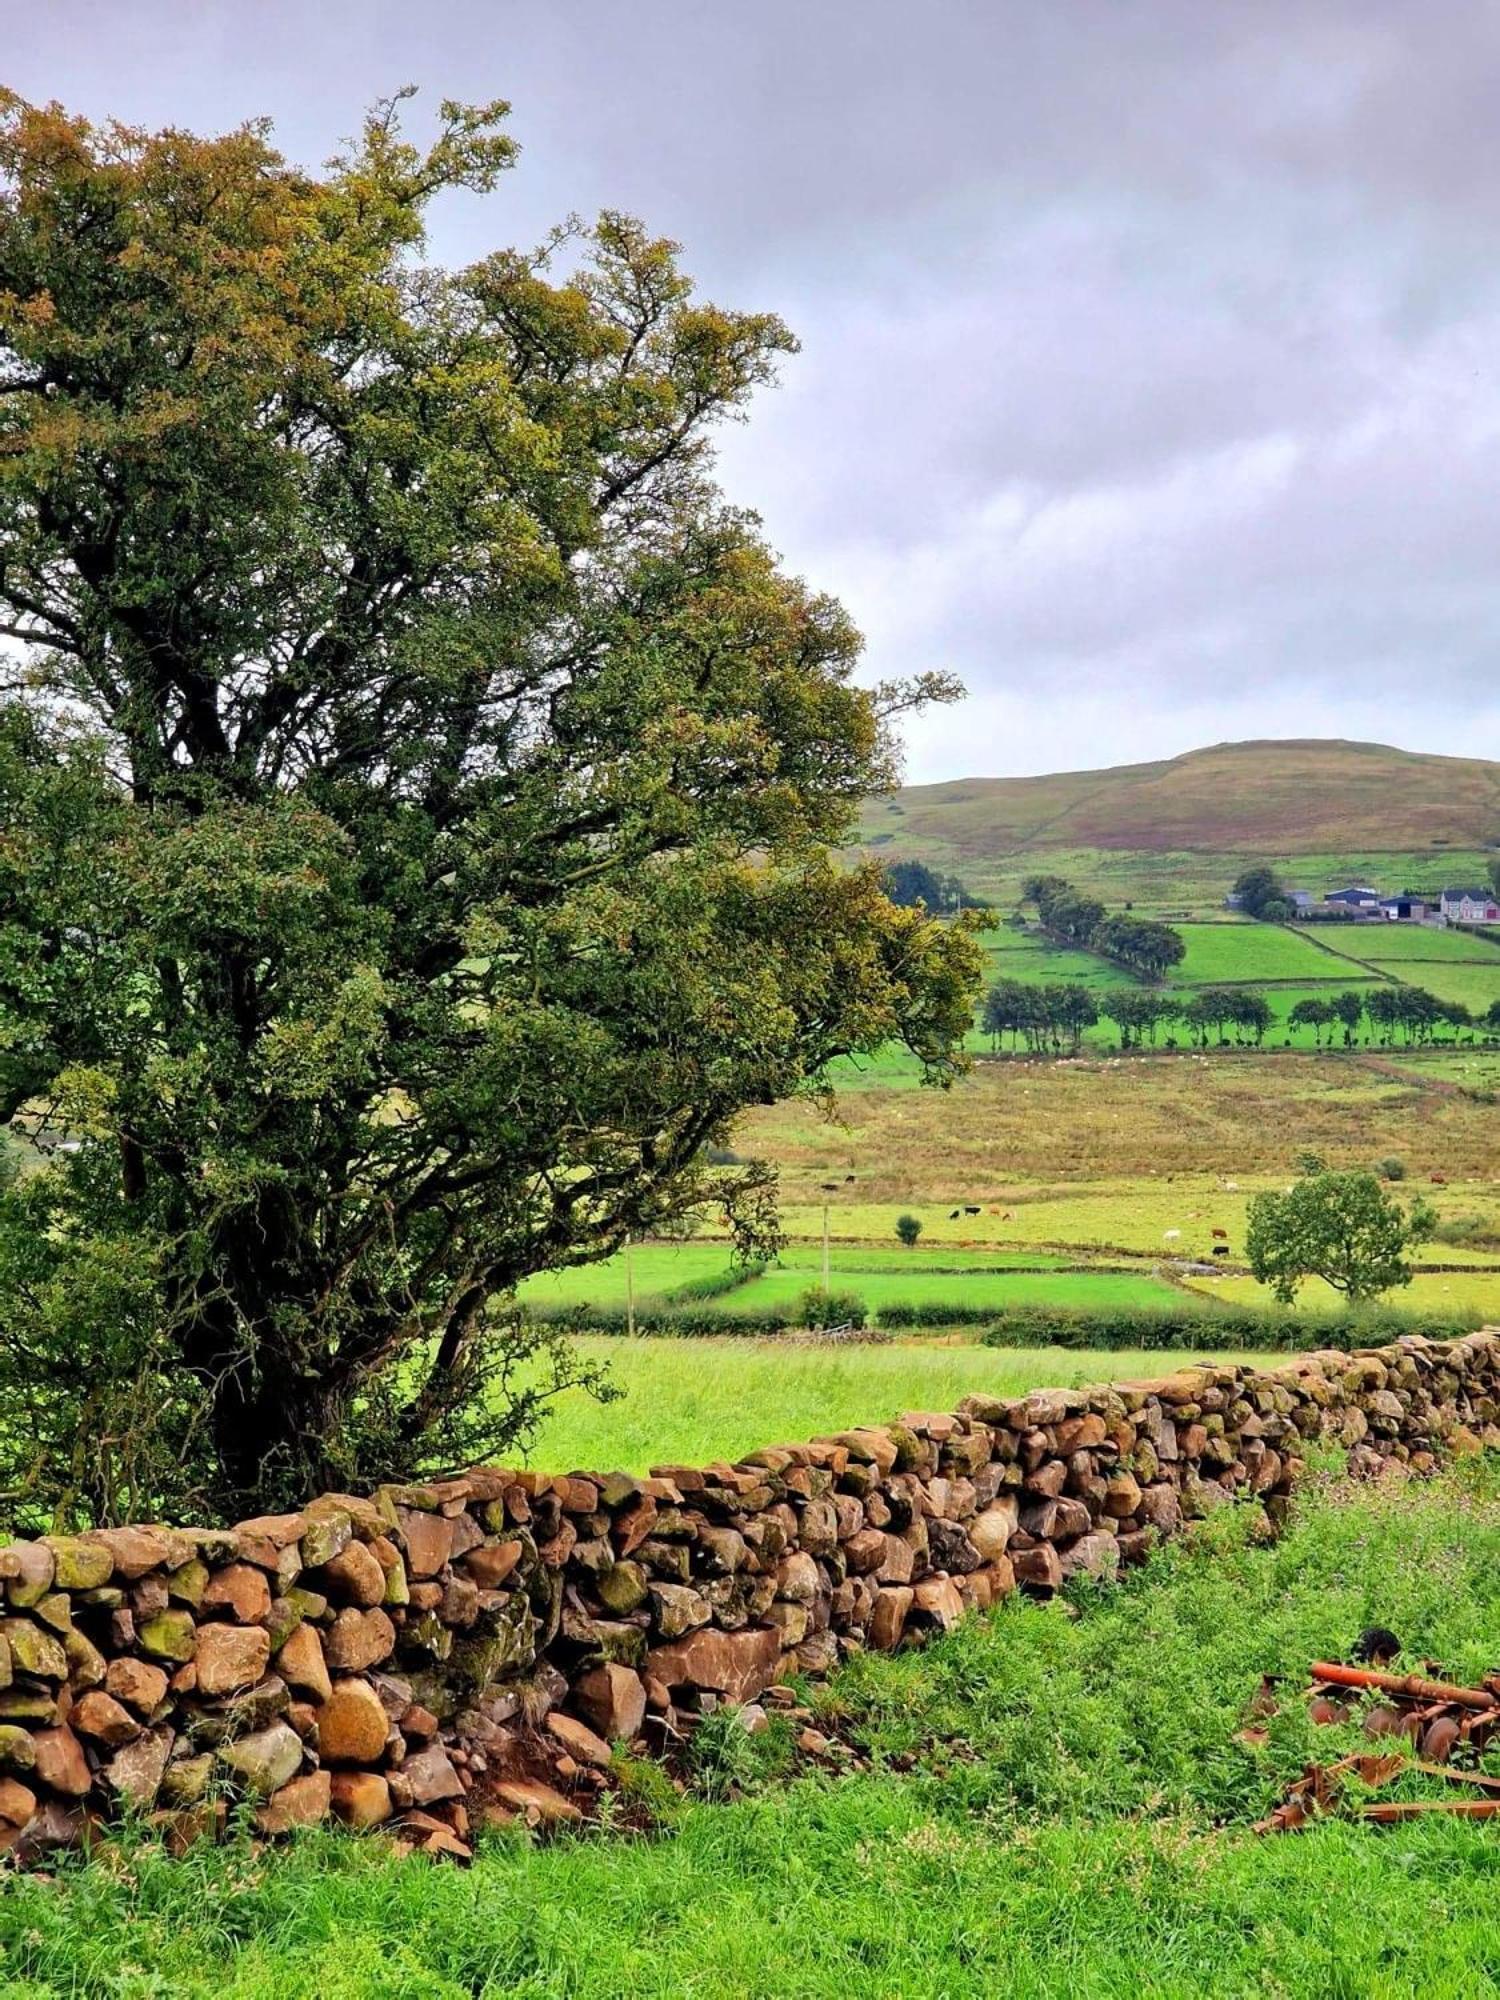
(1058, 1801)
(686, 1402)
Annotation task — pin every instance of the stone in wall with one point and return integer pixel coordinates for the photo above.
(476, 1643)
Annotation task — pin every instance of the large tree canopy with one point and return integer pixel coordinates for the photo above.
(417, 785)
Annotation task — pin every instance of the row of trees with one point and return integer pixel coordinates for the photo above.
(1148, 948)
(1050, 1017)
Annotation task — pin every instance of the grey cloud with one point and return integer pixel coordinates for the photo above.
(1151, 351)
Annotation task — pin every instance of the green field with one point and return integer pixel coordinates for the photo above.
(1388, 942)
(1255, 954)
(688, 1401)
(1474, 986)
(1439, 1291)
(1056, 1805)
(908, 1278)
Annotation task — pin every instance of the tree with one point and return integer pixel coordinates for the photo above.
(1314, 1014)
(1349, 1009)
(1147, 947)
(417, 795)
(1341, 1227)
(1073, 1008)
(1261, 894)
(909, 1228)
(1139, 1013)
(912, 882)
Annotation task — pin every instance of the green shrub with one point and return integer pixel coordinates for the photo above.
(1391, 1168)
(713, 1285)
(1220, 1329)
(820, 1308)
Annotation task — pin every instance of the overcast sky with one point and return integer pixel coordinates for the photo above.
(1150, 374)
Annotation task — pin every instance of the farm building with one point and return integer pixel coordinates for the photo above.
(1469, 906)
(1405, 909)
(1359, 897)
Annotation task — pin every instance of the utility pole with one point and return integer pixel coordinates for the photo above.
(829, 1187)
(629, 1292)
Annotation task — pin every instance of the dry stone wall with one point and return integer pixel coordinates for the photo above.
(476, 1643)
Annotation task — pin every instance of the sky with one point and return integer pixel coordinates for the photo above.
(1150, 363)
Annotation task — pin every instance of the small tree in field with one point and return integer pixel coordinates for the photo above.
(1341, 1227)
(909, 1228)
(417, 784)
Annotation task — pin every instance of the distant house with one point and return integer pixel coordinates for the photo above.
(1469, 906)
(1300, 899)
(1405, 909)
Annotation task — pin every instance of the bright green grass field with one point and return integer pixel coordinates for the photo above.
(688, 1401)
(1474, 986)
(1076, 1821)
(1102, 1291)
(1249, 954)
(1435, 1291)
(1405, 941)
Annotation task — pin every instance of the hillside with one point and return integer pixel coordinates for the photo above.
(1178, 830)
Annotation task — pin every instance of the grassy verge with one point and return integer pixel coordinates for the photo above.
(1075, 1819)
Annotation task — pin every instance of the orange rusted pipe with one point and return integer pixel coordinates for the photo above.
(1407, 1684)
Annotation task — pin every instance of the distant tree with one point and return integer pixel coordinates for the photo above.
(1251, 1014)
(1139, 1013)
(1008, 1007)
(1208, 1012)
(1492, 1016)
(1040, 890)
(1314, 1014)
(1149, 948)
(1348, 1008)
(1341, 1227)
(1261, 894)
(912, 883)
(909, 1228)
(1073, 1008)
(1073, 917)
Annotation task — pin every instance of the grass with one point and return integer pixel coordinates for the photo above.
(688, 1401)
(1012, 1125)
(1255, 954)
(1077, 1821)
(1390, 942)
(1455, 1291)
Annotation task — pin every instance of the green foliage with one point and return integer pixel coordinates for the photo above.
(1262, 895)
(910, 883)
(1340, 1227)
(818, 1308)
(417, 801)
(1204, 1328)
(909, 1228)
(1391, 1168)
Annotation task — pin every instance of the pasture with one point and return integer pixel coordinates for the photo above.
(687, 1402)
(1222, 954)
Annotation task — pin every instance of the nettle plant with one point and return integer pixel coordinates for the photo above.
(417, 786)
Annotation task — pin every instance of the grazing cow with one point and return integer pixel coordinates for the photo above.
(1439, 1180)
(972, 1211)
(955, 1215)
(1221, 1249)
(1220, 1235)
